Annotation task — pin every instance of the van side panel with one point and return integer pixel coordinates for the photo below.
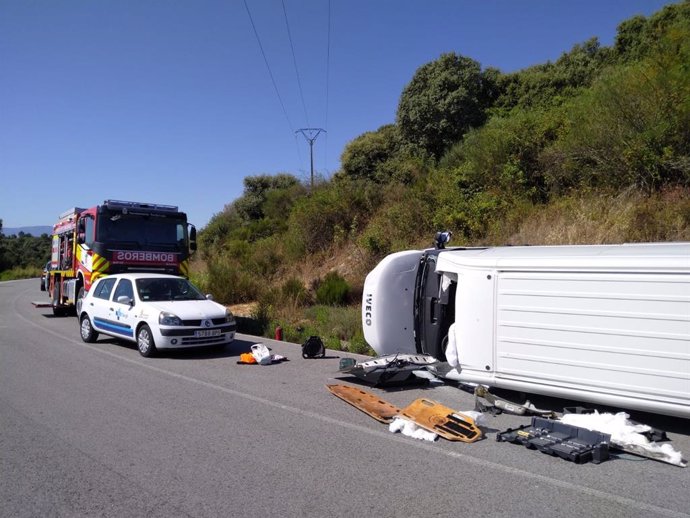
(604, 333)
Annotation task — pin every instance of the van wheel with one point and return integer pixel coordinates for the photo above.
(86, 330)
(145, 343)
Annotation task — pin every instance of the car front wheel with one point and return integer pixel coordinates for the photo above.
(88, 334)
(145, 343)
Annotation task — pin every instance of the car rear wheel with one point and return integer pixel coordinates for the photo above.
(80, 300)
(86, 330)
(145, 343)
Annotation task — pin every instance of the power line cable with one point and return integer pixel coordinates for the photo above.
(328, 73)
(270, 73)
(294, 61)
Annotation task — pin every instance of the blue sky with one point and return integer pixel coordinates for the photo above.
(171, 101)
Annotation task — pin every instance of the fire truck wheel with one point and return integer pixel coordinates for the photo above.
(58, 310)
(145, 342)
(86, 330)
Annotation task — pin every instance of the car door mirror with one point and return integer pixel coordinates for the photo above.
(124, 299)
(209, 296)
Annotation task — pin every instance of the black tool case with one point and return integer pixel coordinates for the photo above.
(569, 442)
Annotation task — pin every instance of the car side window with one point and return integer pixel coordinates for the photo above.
(124, 287)
(104, 289)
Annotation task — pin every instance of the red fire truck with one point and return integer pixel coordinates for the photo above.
(117, 236)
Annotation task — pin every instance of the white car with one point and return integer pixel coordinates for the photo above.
(156, 311)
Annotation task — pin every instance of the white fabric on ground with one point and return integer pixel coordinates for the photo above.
(626, 435)
(411, 429)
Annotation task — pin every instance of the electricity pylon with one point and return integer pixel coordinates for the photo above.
(311, 135)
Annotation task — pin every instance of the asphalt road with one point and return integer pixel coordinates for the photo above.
(97, 430)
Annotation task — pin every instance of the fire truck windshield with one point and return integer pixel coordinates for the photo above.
(142, 232)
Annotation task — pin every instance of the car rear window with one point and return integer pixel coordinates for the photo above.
(104, 288)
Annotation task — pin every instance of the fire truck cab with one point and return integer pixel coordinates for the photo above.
(115, 237)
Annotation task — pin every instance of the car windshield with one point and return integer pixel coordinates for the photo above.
(161, 288)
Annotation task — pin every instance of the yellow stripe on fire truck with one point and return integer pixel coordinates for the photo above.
(184, 268)
(100, 263)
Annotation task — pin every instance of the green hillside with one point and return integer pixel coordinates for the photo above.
(591, 148)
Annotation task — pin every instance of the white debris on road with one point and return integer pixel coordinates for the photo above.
(626, 435)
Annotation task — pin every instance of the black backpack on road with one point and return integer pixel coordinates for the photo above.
(313, 348)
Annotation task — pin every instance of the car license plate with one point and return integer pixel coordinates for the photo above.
(207, 332)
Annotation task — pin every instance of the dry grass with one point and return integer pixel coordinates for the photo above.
(625, 217)
(244, 310)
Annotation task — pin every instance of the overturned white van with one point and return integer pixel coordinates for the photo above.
(608, 324)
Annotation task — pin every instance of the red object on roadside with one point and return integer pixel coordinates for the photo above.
(279, 333)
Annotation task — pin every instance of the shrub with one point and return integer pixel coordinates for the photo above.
(231, 284)
(504, 153)
(200, 280)
(294, 293)
(212, 236)
(358, 345)
(362, 156)
(375, 241)
(297, 333)
(333, 290)
(20, 273)
(333, 211)
(631, 128)
(261, 315)
(398, 224)
(265, 257)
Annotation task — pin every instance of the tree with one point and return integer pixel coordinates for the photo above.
(249, 205)
(503, 155)
(638, 36)
(443, 101)
(632, 128)
(550, 84)
(260, 212)
(363, 156)
(629, 37)
(23, 251)
(4, 264)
